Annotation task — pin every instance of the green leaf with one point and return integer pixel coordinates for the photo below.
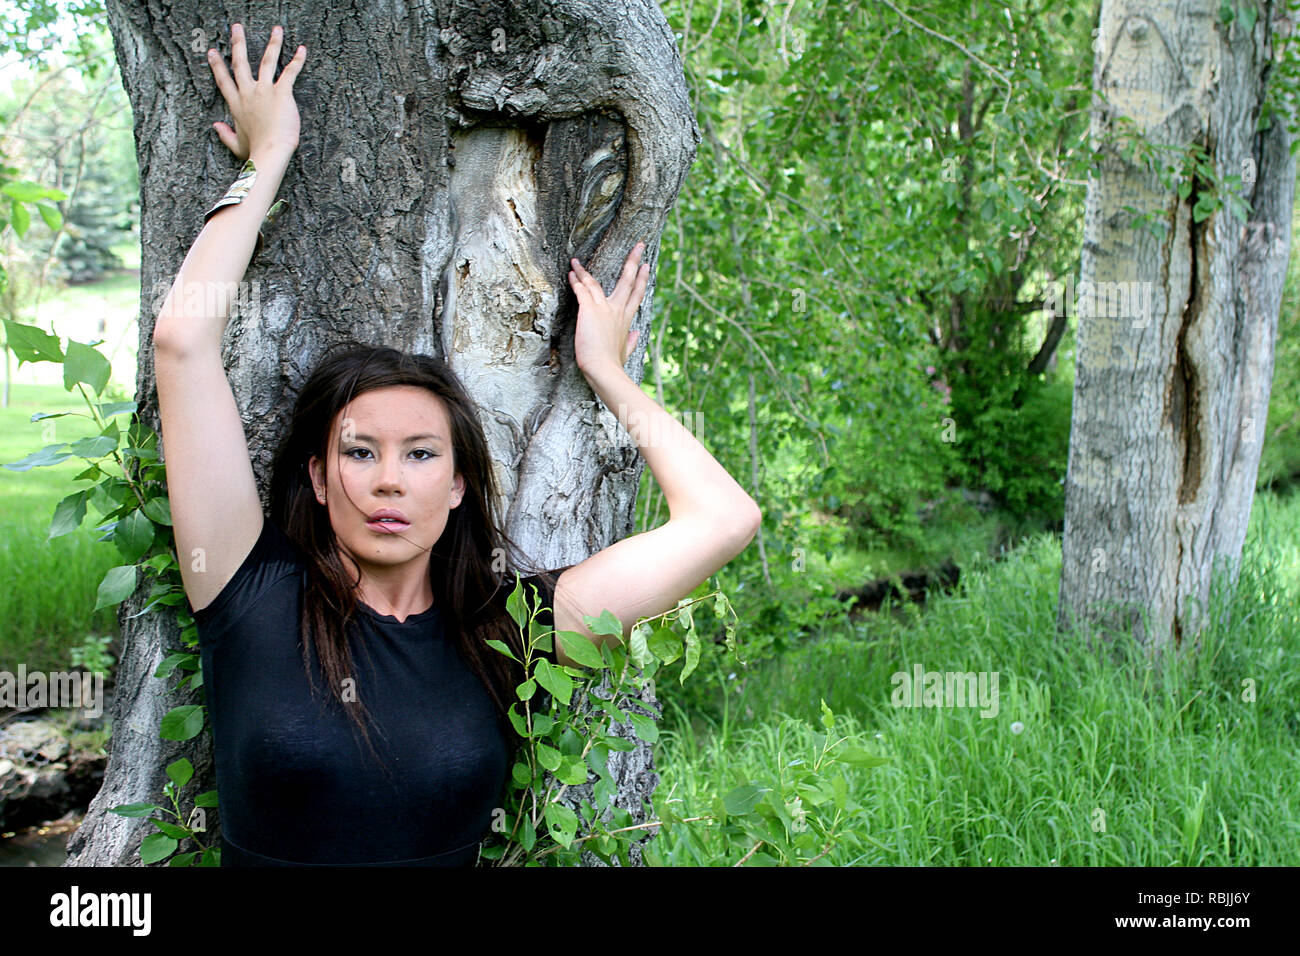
(85, 364)
(30, 344)
(170, 663)
(521, 774)
(573, 771)
(515, 602)
(117, 586)
(19, 218)
(665, 645)
(692, 654)
(109, 409)
(93, 446)
(841, 789)
(526, 690)
(744, 798)
(183, 859)
(828, 718)
(206, 799)
(548, 757)
(499, 646)
(41, 458)
(858, 757)
(160, 510)
(133, 535)
(638, 648)
(517, 720)
(135, 809)
(180, 771)
(182, 723)
(155, 847)
(562, 823)
(646, 728)
(581, 649)
(24, 190)
(527, 834)
(556, 682)
(68, 514)
(171, 829)
(606, 624)
(542, 724)
(53, 218)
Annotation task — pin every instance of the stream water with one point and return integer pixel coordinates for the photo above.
(43, 845)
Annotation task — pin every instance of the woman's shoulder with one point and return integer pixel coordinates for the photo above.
(274, 564)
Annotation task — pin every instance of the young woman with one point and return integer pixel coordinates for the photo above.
(358, 714)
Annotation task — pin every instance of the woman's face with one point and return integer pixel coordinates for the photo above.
(389, 449)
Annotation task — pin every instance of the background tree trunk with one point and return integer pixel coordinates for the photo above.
(1172, 389)
(451, 162)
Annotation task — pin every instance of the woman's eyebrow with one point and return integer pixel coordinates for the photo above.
(410, 438)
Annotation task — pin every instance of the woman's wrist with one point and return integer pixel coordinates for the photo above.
(272, 162)
(255, 187)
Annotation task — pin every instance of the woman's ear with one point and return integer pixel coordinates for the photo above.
(458, 490)
(317, 479)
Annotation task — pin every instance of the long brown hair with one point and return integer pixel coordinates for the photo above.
(461, 561)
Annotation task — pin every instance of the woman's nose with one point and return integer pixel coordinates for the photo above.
(389, 475)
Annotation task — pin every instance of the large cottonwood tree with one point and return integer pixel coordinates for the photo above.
(454, 155)
(1178, 314)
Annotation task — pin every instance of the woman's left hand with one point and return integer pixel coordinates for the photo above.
(602, 335)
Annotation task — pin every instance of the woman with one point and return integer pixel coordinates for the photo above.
(358, 714)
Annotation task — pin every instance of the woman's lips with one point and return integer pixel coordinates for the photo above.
(387, 527)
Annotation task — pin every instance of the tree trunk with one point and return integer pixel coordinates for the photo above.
(452, 160)
(1176, 331)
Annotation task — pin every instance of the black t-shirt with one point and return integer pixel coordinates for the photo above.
(296, 782)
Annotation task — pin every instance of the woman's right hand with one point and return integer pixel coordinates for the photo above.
(265, 115)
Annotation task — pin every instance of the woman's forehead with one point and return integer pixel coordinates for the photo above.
(395, 411)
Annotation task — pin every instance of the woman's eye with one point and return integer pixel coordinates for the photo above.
(353, 452)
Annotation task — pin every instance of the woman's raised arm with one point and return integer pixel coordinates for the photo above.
(216, 512)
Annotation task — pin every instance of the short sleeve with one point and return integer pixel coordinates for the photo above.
(272, 559)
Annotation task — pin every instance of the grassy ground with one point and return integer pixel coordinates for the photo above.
(47, 587)
(1112, 763)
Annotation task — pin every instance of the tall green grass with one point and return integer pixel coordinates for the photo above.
(47, 586)
(1116, 762)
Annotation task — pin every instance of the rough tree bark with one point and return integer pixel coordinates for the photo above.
(1176, 332)
(454, 155)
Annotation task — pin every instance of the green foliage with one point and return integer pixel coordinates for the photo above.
(126, 486)
(1016, 441)
(93, 654)
(20, 195)
(898, 222)
(35, 28)
(589, 711)
(1279, 465)
(798, 804)
(71, 133)
(1183, 762)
